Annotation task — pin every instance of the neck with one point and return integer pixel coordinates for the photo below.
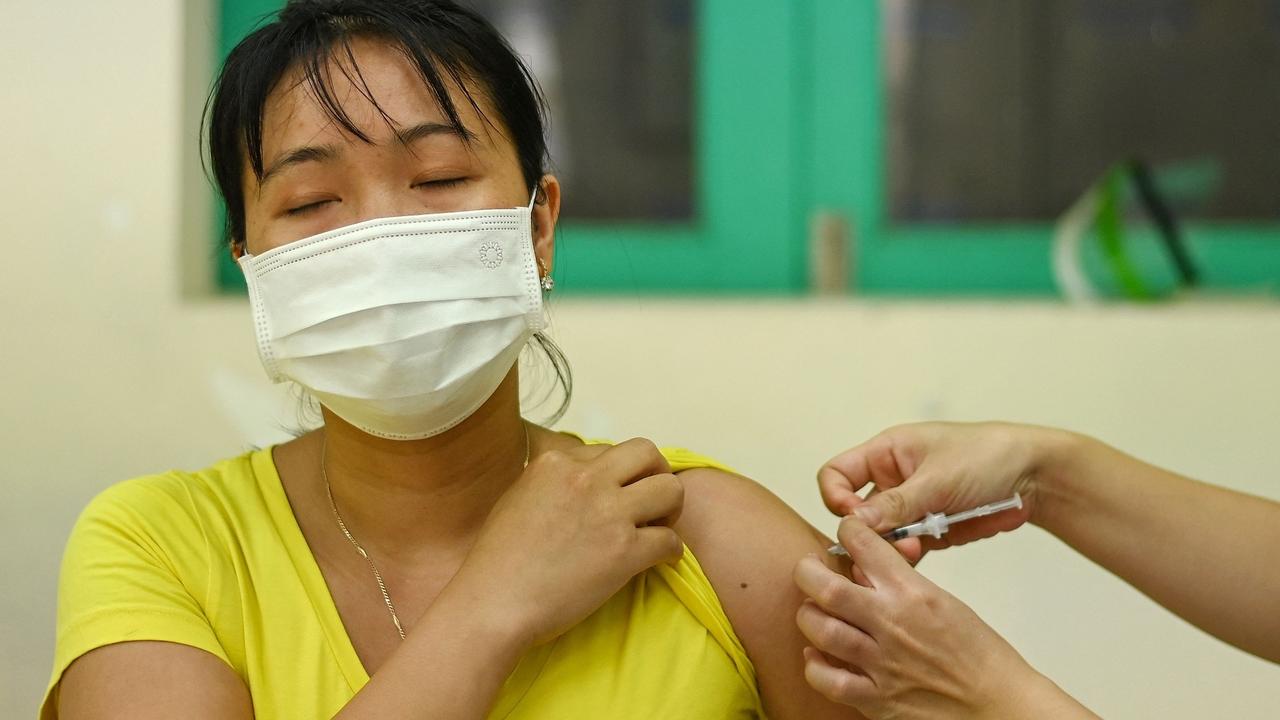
(403, 498)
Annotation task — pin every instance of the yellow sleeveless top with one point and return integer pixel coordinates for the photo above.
(216, 560)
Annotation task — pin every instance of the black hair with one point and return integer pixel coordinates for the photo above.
(446, 42)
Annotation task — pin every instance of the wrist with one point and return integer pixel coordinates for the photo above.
(1057, 462)
(485, 618)
(1034, 695)
(1028, 693)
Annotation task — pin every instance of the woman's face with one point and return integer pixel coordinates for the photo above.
(318, 177)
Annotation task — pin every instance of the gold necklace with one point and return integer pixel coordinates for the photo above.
(382, 586)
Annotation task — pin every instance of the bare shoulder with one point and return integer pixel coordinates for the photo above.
(718, 502)
(748, 542)
(140, 680)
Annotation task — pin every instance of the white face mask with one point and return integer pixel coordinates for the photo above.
(402, 326)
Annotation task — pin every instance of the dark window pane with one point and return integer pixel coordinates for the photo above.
(1008, 109)
(618, 75)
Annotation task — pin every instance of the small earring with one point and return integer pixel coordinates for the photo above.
(548, 284)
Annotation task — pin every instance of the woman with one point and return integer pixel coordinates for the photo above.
(895, 645)
(426, 552)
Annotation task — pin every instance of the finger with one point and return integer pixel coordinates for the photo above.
(841, 477)
(656, 499)
(856, 574)
(886, 460)
(657, 544)
(834, 636)
(978, 529)
(632, 460)
(837, 684)
(873, 462)
(911, 550)
(836, 594)
(887, 508)
(839, 492)
(870, 552)
(930, 544)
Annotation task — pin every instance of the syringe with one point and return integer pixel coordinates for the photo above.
(936, 524)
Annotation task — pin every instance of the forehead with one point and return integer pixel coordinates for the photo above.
(376, 77)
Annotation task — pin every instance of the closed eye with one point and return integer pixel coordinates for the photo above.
(309, 207)
(446, 183)
(304, 209)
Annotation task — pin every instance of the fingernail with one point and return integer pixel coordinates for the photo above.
(867, 515)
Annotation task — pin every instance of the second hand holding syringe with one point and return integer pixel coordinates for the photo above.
(936, 524)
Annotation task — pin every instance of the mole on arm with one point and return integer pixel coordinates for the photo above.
(744, 585)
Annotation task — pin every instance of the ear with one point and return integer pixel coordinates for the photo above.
(237, 250)
(546, 211)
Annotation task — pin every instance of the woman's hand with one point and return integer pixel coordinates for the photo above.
(571, 532)
(897, 646)
(941, 467)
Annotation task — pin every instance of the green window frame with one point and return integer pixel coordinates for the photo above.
(746, 147)
(789, 120)
(955, 259)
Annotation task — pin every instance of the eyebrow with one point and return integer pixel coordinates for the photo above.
(427, 129)
(324, 153)
(297, 156)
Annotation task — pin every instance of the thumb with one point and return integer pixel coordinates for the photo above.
(870, 553)
(838, 492)
(883, 511)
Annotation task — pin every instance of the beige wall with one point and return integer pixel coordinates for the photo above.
(110, 370)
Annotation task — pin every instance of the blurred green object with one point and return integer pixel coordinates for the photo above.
(1122, 239)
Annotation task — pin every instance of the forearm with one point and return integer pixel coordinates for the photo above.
(1039, 697)
(1204, 552)
(451, 666)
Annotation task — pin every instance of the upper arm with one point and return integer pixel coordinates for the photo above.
(133, 632)
(748, 543)
(142, 680)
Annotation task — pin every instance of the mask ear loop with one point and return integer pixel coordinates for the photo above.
(545, 280)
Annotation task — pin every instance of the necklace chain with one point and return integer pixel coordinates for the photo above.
(382, 586)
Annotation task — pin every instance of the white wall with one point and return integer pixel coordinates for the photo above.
(109, 369)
